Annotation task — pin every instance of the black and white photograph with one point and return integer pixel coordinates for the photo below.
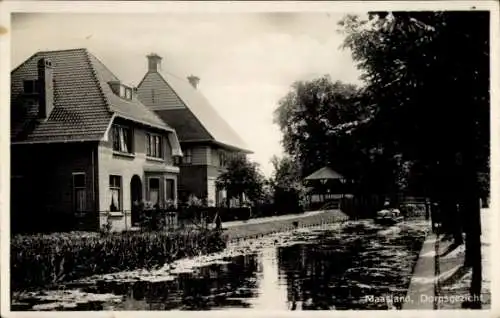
(216, 157)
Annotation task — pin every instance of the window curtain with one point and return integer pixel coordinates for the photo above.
(154, 195)
(148, 145)
(154, 190)
(123, 141)
(114, 196)
(116, 136)
(157, 146)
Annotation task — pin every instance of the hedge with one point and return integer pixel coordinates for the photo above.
(41, 260)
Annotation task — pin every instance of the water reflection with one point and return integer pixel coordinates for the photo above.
(326, 269)
(215, 286)
(271, 287)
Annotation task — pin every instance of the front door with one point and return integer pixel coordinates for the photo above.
(136, 198)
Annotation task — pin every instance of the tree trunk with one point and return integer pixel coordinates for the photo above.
(473, 249)
(472, 222)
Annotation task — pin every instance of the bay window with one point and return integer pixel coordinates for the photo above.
(154, 190)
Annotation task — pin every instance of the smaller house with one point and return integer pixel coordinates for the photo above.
(84, 150)
(325, 185)
(206, 139)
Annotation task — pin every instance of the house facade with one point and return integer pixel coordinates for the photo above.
(83, 145)
(207, 141)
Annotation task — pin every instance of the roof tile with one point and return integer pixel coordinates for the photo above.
(198, 120)
(83, 101)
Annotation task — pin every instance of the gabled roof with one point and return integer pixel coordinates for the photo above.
(84, 103)
(191, 114)
(324, 173)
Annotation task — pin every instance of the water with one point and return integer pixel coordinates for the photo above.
(331, 267)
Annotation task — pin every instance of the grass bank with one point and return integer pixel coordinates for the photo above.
(252, 230)
(44, 260)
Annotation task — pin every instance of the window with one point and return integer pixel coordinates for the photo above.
(122, 139)
(115, 193)
(153, 96)
(122, 91)
(222, 159)
(188, 156)
(177, 160)
(154, 146)
(30, 86)
(128, 93)
(170, 189)
(154, 190)
(79, 192)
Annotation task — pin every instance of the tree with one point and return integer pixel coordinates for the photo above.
(307, 117)
(286, 173)
(288, 190)
(427, 79)
(241, 177)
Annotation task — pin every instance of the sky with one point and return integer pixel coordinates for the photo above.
(246, 61)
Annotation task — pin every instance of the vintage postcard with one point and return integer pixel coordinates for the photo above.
(259, 158)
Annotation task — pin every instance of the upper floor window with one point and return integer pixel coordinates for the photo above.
(153, 100)
(188, 156)
(177, 160)
(122, 139)
(30, 86)
(128, 93)
(154, 146)
(125, 92)
(222, 159)
(121, 90)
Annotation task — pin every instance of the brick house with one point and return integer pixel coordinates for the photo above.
(83, 145)
(207, 141)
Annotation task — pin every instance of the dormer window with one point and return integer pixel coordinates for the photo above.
(121, 90)
(125, 92)
(128, 93)
(30, 86)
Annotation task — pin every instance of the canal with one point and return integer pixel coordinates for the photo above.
(339, 266)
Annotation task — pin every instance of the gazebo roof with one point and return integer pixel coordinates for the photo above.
(324, 173)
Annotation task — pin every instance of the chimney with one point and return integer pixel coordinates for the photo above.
(46, 87)
(194, 80)
(154, 62)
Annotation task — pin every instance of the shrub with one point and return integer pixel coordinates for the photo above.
(412, 209)
(40, 260)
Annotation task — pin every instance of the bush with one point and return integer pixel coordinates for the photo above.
(40, 260)
(412, 209)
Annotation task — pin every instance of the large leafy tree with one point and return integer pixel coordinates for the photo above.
(308, 116)
(242, 176)
(427, 79)
(286, 173)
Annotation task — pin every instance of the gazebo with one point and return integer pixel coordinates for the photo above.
(325, 185)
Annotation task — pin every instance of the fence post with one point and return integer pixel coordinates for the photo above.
(427, 209)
